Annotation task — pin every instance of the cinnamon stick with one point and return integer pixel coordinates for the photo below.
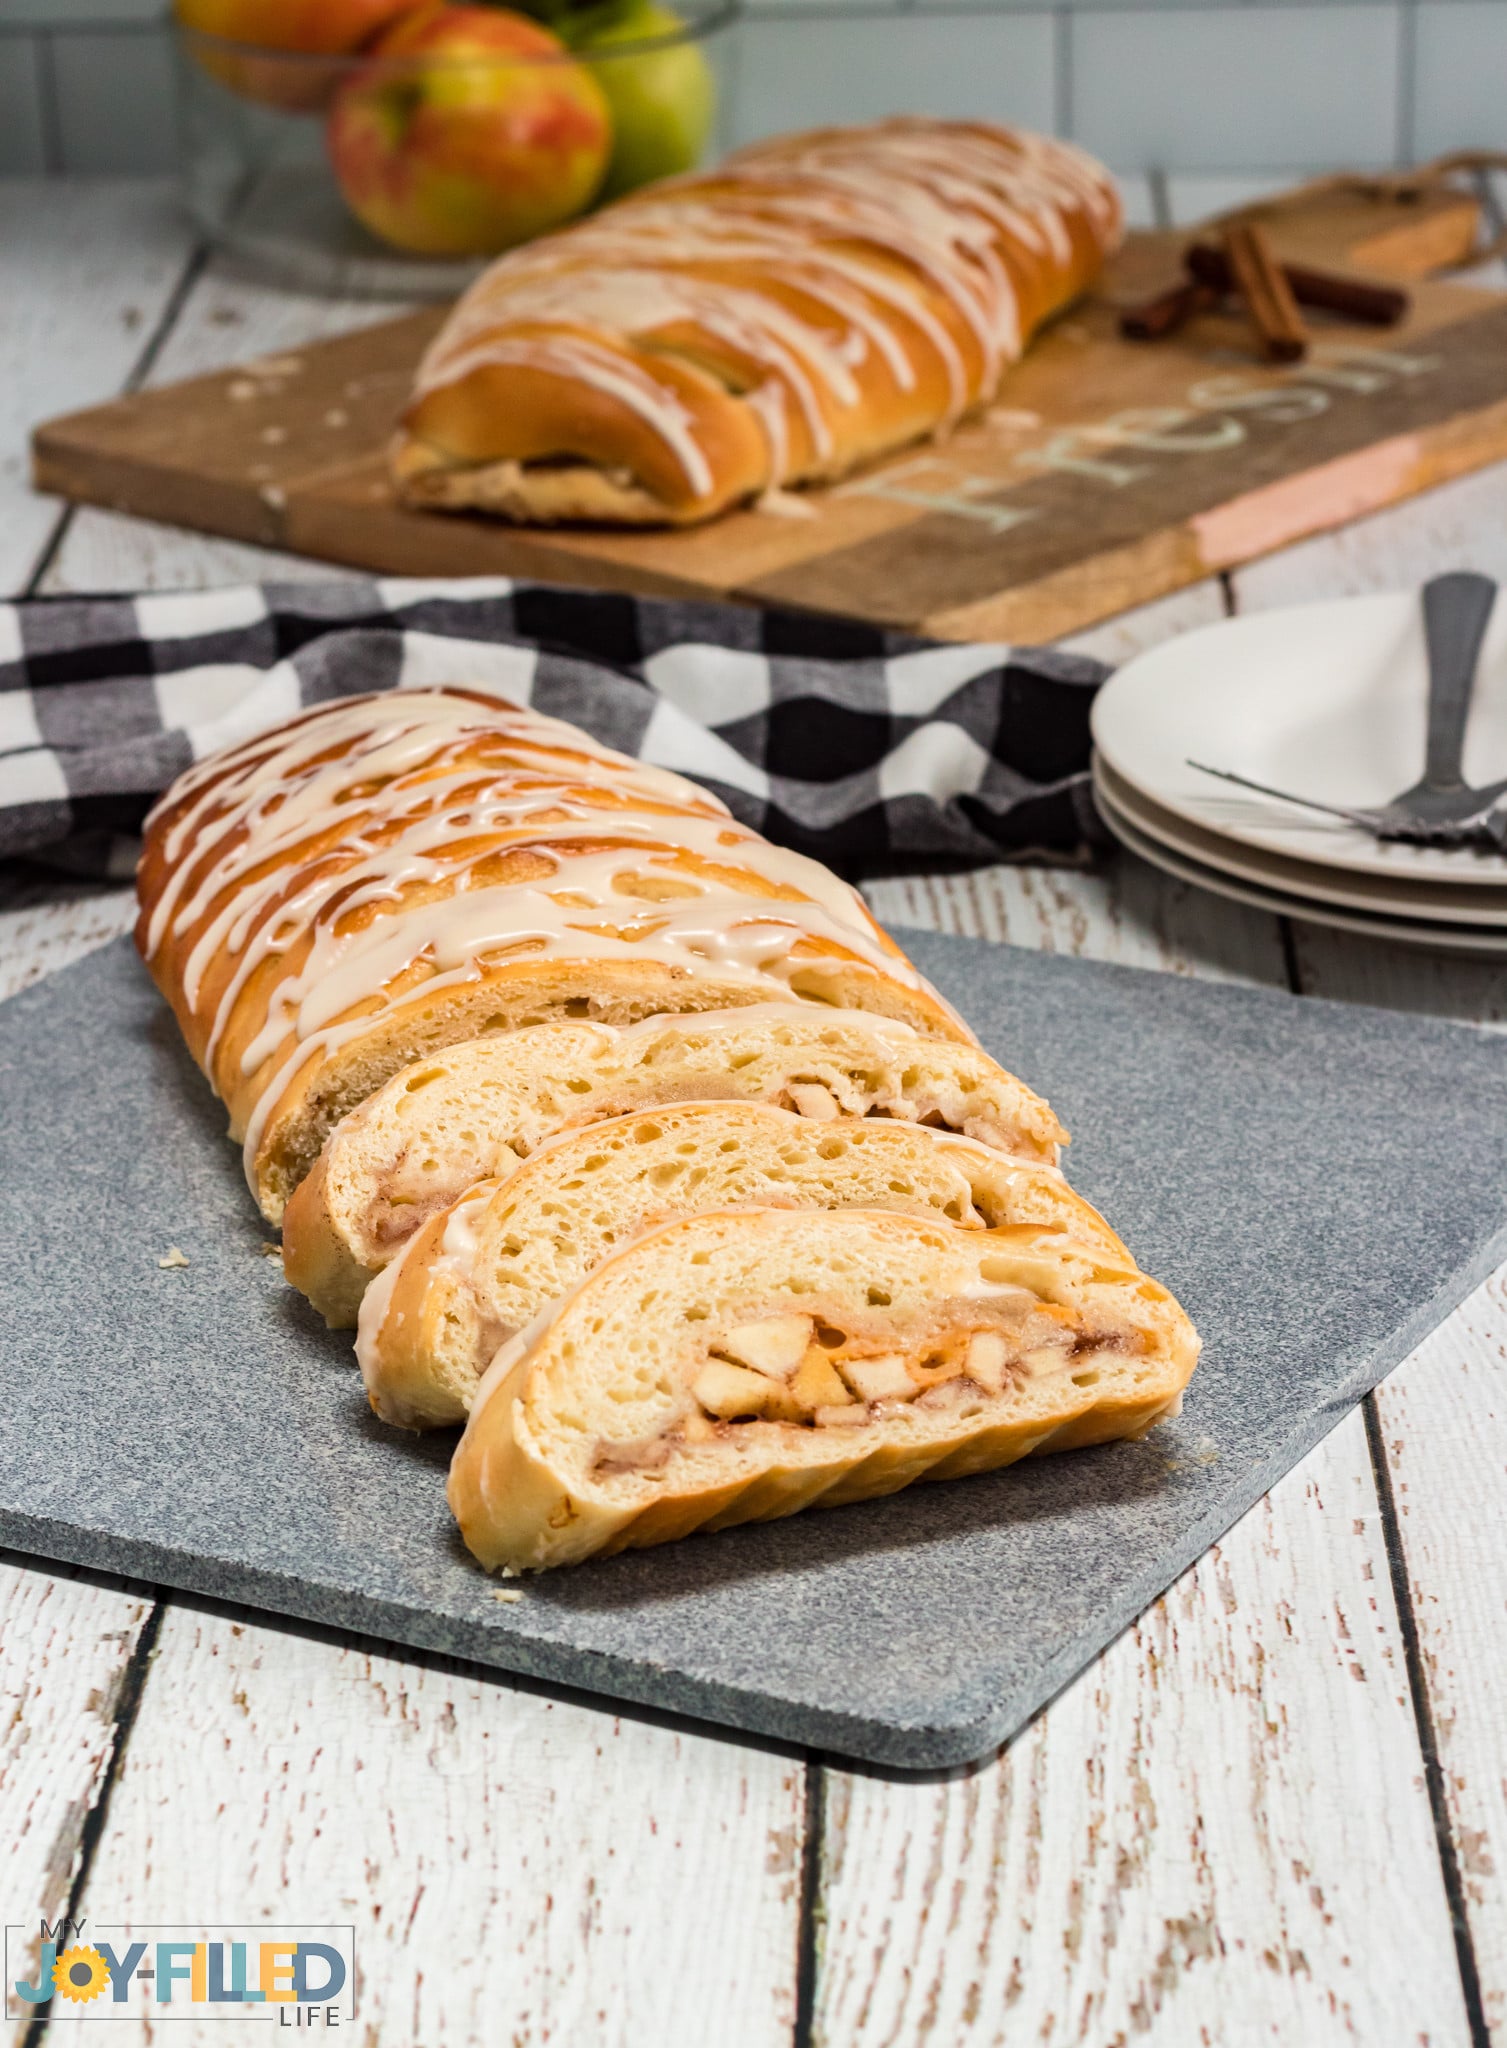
(1257, 276)
(1354, 298)
(1168, 311)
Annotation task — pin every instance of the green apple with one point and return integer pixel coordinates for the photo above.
(661, 92)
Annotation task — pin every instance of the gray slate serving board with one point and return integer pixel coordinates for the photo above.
(1320, 1184)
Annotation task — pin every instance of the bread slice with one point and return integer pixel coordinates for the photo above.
(474, 1110)
(484, 1268)
(740, 1365)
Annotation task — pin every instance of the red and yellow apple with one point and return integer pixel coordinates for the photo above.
(299, 31)
(468, 129)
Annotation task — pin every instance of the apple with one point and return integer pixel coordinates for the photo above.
(467, 130)
(663, 99)
(296, 29)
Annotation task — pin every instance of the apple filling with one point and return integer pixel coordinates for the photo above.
(803, 1370)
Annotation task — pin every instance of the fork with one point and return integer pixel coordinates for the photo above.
(1440, 809)
(1486, 826)
(1456, 612)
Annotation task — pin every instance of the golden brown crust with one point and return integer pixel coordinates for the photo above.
(814, 303)
(384, 876)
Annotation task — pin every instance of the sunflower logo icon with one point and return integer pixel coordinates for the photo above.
(79, 1974)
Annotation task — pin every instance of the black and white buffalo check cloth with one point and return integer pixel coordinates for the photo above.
(866, 749)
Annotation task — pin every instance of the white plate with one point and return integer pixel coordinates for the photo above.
(1327, 700)
(1402, 932)
(1427, 901)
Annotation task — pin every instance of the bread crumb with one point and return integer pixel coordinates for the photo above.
(507, 1595)
(174, 1258)
(268, 1250)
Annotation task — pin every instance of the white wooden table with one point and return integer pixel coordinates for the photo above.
(1274, 1811)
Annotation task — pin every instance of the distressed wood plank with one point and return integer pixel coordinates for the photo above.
(99, 263)
(1443, 1430)
(1117, 640)
(519, 1869)
(1353, 969)
(44, 926)
(66, 1645)
(1216, 1835)
(1442, 1415)
(112, 551)
(1191, 1830)
(225, 319)
(1461, 526)
(1125, 911)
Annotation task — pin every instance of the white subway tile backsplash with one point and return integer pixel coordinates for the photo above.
(22, 148)
(1212, 89)
(1460, 82)
(1139, 201)
(822, 7)
(1250, 88)
(116, 102)
(64, 14)
(1198, 195)
(799, 71)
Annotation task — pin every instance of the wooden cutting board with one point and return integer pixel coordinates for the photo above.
(1109, 473)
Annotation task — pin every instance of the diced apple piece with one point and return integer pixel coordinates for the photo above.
(948, 1393)
(816, 1384)
(841, 1418)
(879, 1379)
(1044, 1359)
(1045, 1326)
(727, 1391)
(813, 1100)
(988, 1356)
(775, 1346)
(1022, 1269)
(696, 1429)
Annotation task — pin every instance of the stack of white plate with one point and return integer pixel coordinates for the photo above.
(1328, 701)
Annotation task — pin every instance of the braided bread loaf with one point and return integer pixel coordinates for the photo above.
(384, 876)
(811, 304)
(427, 937)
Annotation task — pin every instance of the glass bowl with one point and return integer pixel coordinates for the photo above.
(399, 175)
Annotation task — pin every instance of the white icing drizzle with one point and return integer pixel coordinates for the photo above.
(301, 773)
(813, 260)
(376, 813)
(376, 1302)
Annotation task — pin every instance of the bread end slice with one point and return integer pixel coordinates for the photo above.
(630, 1416)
